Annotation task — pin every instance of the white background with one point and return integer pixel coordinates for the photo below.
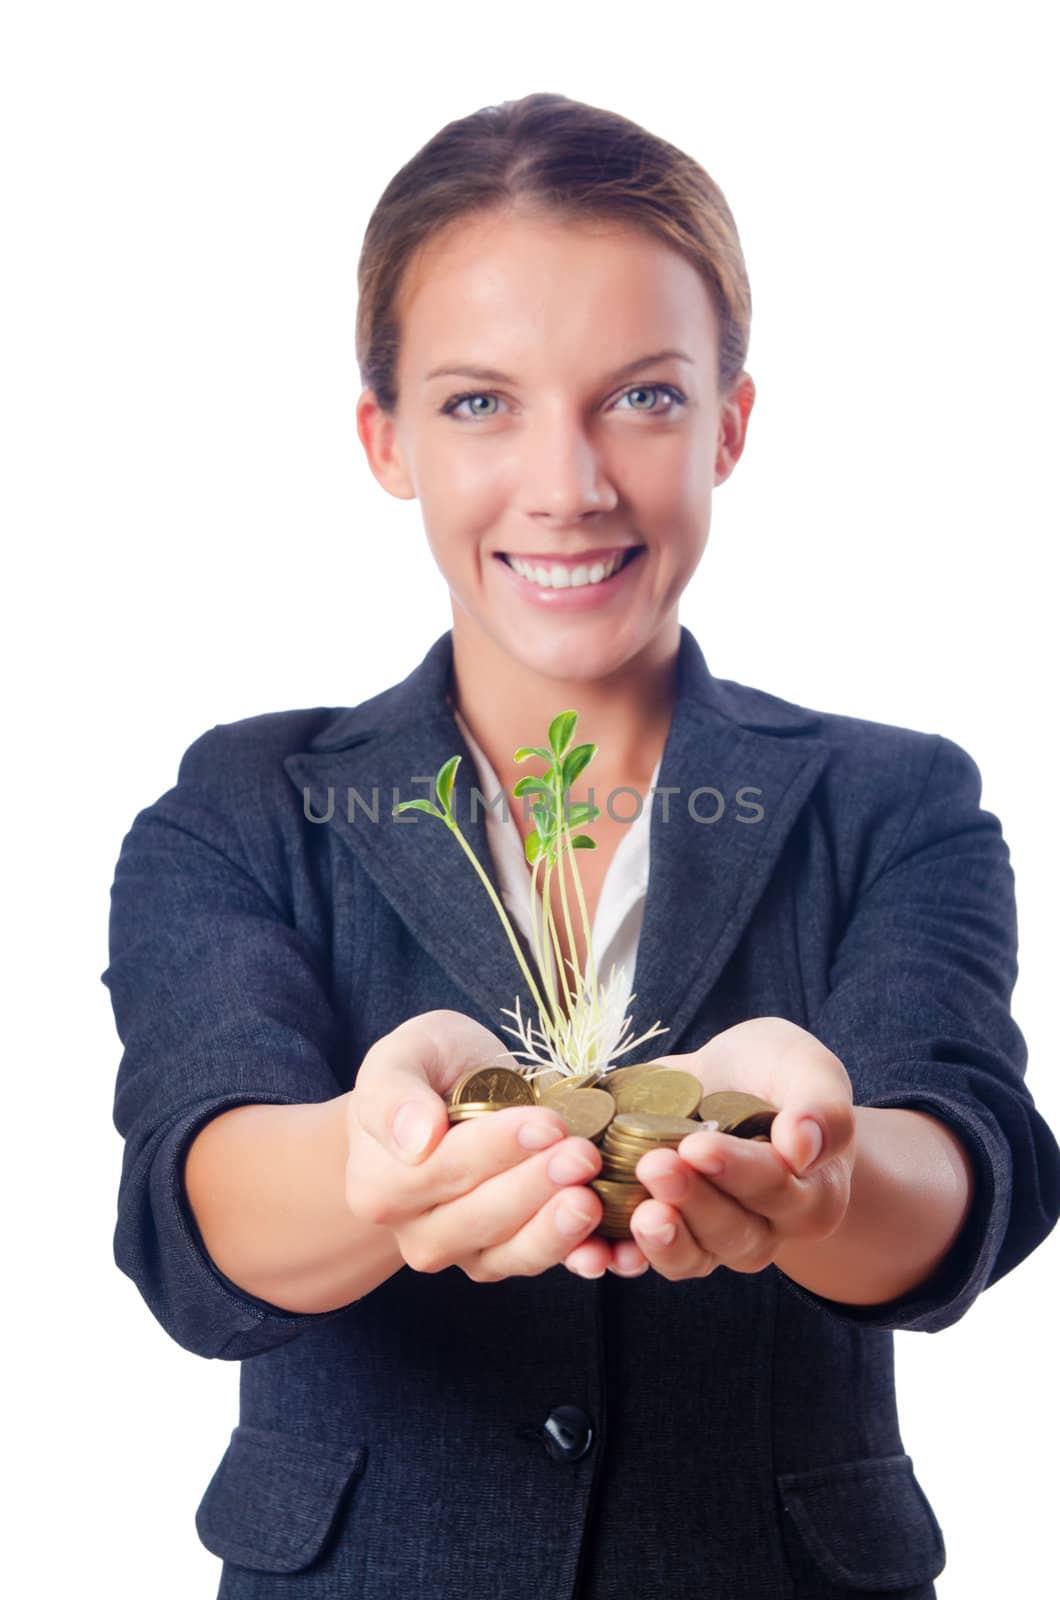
(195, 537)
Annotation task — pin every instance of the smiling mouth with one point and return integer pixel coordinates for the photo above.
(590, 570)
(603, 562)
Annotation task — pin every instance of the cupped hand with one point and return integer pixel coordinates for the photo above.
(498, 1195)
(718, 1200)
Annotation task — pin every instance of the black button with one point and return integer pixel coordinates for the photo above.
(568, 1433)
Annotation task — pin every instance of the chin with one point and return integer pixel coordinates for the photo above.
(571, 658)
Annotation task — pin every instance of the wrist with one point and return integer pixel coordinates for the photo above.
(911, 1189)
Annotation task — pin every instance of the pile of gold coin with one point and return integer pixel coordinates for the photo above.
(626, 1112)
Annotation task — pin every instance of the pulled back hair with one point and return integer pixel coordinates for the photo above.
(546, 153)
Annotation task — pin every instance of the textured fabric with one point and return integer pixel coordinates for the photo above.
(547, 1437)
(620, 910)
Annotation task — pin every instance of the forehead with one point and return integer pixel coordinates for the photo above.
(521, 280)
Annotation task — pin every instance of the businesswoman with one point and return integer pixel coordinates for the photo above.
(451, 1383)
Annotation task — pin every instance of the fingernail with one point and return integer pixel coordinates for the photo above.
(702, 1154)
(538, 1135)
(570, 1220)
(813, 1139)
(664, 1235)
(569, 1167)
(411, 1128)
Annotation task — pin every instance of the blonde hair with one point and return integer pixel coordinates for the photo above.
(558, 156)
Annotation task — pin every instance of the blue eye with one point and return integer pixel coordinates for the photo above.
(674, 395)
(451, 408)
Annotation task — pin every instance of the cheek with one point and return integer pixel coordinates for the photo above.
(461, 494)
(671, 487)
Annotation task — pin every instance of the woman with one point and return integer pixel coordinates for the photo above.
(552, 328)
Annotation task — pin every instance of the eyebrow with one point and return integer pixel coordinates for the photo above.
(491, 375)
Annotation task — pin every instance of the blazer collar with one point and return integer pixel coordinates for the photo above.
(741, 748)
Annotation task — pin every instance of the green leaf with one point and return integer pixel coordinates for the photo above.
(419, 805)
(582, 841)
(532, 750)
(575, 763)
(543, 817)
(528, 785)
(582, 812)
(532, 847)
(443, 783)
(560, 731)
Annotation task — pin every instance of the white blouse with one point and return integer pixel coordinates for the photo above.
(620, 909)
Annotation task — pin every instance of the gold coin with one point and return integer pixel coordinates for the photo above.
(756, 1126)
(621, 1161)
(586, 1112)
(650, 1125)
(625, 1175)
(622, 1167)
(621, 1137)
(620, 1200)
(546, 1080)
(498, 1085)
(624, 1164)
(730, 1106)
(667, 1093)
(619, 1075)
(474, 1108)
(553, 1095)
(611, 1192)
(582, 1080)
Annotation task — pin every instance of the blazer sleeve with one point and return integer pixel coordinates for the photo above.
(219, 1001)
(918, 1011)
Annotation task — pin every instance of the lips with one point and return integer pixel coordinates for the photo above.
(583, 557)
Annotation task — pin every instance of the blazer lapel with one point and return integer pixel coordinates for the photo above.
(414, 860)
(705, 877)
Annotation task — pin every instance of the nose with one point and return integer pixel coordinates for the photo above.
(561, 472)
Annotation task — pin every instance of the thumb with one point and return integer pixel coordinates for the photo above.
(406, 1074)
(800, 1139)
(412, 1127)
(395, 1101)
(790, 1067)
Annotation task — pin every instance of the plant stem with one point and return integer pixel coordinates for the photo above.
(476, 863)
(569, 850)
(554, 932)
(570, 932)
(550, 1020)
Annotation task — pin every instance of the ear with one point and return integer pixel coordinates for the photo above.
(732, 425)
(379, 435)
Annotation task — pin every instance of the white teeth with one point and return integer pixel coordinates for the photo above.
(557, 577)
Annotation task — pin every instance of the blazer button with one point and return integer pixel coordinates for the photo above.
(568, 1433)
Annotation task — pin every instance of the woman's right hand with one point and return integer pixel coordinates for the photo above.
(491, 1195)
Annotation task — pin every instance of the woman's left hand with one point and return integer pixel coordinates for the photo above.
(764, 1193)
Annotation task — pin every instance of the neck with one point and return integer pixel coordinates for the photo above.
(626, 713)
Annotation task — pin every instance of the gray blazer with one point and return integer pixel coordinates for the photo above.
(538, 1438)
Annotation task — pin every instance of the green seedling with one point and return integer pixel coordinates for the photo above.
(589, 1032)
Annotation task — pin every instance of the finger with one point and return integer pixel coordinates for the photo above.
(382, 1188)
(546, 1239)
(591, 1259)
(714, 1221)
(522, 1221)
(753, 1174)
(663, 1237)
(797, 1073)
(399, 1094)
(628, 1259)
